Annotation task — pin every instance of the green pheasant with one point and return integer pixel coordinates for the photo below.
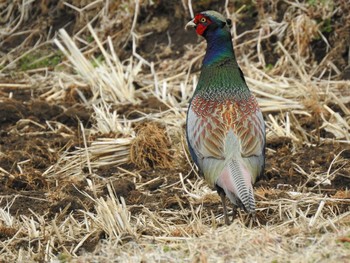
(225, 127)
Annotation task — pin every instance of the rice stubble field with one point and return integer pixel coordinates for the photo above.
(94, 165)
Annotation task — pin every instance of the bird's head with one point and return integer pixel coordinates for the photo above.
(209, 21)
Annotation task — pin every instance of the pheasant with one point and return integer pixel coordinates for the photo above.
(225, 127)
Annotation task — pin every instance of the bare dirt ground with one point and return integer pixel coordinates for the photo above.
(136, 197)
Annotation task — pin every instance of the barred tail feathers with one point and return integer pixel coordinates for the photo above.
(236, 181)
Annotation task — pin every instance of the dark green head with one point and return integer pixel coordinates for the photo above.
(215, 28)
(209, 21)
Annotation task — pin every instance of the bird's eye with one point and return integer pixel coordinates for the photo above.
(203, 20)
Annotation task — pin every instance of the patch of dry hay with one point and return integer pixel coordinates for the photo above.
(151, 147)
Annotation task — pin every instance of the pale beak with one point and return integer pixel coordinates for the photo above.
(190, 24)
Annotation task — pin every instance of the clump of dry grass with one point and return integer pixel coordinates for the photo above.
(151, 147)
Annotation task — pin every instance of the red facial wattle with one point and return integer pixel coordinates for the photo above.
(202, 23)
(200, 29)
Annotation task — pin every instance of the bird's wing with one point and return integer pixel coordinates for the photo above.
(208, 124)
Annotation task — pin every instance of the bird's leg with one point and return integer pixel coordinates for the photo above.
(223, 201)
(251, 220)
(234, 212)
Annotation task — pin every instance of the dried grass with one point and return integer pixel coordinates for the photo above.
(151, 148)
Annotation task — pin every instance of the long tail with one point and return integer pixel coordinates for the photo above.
(236, 181)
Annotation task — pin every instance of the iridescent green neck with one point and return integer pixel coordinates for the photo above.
(219, 47)
(222, 81)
